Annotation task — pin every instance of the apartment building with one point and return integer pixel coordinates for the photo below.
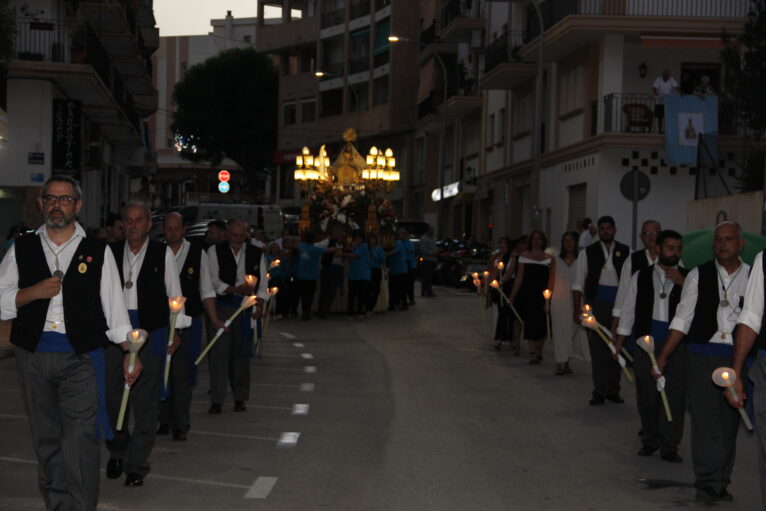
(79, 89)
(179, 181)
(366, 83)
(601, 58)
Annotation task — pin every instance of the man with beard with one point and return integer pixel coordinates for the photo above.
(650, 304)
(60, 289)
(597, 277)
(197, 287)
(149, 276)
(230, 261)
(216, 233)
(711, 302)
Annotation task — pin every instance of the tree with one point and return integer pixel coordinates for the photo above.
(227, 107)
(744, 59)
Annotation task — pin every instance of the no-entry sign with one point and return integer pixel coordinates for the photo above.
(224, 176)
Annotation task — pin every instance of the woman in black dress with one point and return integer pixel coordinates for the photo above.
(536, 272)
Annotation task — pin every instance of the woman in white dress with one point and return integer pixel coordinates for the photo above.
(564, 337)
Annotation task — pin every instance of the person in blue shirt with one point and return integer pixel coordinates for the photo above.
(308, 271)
(359, 272)
(412, 267)
(397, 274)
(377, 263)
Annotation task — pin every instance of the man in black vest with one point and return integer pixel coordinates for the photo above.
(197, 287)
(650, 304)
(705, 320)
(59, 288)
(597, 277)
(331, 276)
(149, 277)
(230, 261)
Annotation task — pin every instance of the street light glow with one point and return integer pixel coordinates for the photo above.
(319, 74)
(393, 38)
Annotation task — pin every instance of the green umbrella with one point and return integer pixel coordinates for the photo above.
(698, 247)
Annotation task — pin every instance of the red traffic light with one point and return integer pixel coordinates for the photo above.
(224, 176)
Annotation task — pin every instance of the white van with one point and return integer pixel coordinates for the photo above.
(268, 218)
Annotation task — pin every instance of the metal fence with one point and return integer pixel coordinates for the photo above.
(554, 11)
(504, 49)
(453, 9)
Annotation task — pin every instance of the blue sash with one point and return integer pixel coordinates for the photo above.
(659, 330)
(606, 294)
(55, 342)
(715, 349)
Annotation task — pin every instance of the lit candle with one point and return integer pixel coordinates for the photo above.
(251, 280)
(175, 303)
(247, 302)
(547, 294)
(136, 339)
(726, 377)
(648, 346)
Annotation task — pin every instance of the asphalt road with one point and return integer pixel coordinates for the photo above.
(405, 411)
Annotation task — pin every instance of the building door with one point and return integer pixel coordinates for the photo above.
(577, 202)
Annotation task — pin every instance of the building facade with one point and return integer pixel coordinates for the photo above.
(79, 89)
(366, 83)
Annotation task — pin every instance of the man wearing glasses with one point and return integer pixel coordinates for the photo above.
(61, 290)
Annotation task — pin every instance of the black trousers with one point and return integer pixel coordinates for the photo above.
(504, 326)
(331, 279)
(374, 289)
(410, 285)
(397, 290)
(427, 278)
(658, 432)
(289, 299)
(306, 290)
(714, 423)
(605, 371)
(358, 295)
(174, 411)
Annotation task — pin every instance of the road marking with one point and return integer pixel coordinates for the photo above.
(150, 476)
(228, 435)
(310, 369)
(286, 335)
(261, 488)
(300, 409)
(307, 387)
(288, 439)
(266, 407)
(307, 356)
(299, 345)
(9, 416)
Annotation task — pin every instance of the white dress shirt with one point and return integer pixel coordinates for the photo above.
(608, 276)
(585, 239)
(112, 300)
(752, 312)
(727, 317)
(205, 282)
(172, 282)
(220, 286)
(660, 310)
(622, 289)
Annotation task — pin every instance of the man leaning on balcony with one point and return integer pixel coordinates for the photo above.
(661, 87)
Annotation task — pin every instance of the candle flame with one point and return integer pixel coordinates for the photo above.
(134, 334)
(501, 265)
(586, 308)
(547, 294)
(647, 339)
(475, 275)
(495, 284)
(725, 375)
(274, 290)
(250, 279)
(485, 273)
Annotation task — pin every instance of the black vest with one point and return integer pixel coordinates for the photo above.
(638, 261)
(83, 313)
(190, 278)
(705, 322)
(152, 297)
(227, 265)
(645, 300)
(596, 262)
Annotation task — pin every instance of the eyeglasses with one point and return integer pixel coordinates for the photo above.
(64, 200)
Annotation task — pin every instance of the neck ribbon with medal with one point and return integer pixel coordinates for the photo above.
(724, 302)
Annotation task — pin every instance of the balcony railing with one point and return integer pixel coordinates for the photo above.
(637, 113)
(503, 49)
(453, 9)
(554, 11)
(51, 41)
(335, 17)
(332, 70)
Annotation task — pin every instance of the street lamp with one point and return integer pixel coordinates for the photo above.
(395, 39)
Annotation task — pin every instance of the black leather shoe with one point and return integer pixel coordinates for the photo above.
(214, 409)
(725, 496)
(672, 457)
(113, 468)
(646, 451)
(134, 480)
(597, 400)
(239, 406)
(164, 429)
(706, 495)
(616, 398)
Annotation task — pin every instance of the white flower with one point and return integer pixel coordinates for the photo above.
(345, 201)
